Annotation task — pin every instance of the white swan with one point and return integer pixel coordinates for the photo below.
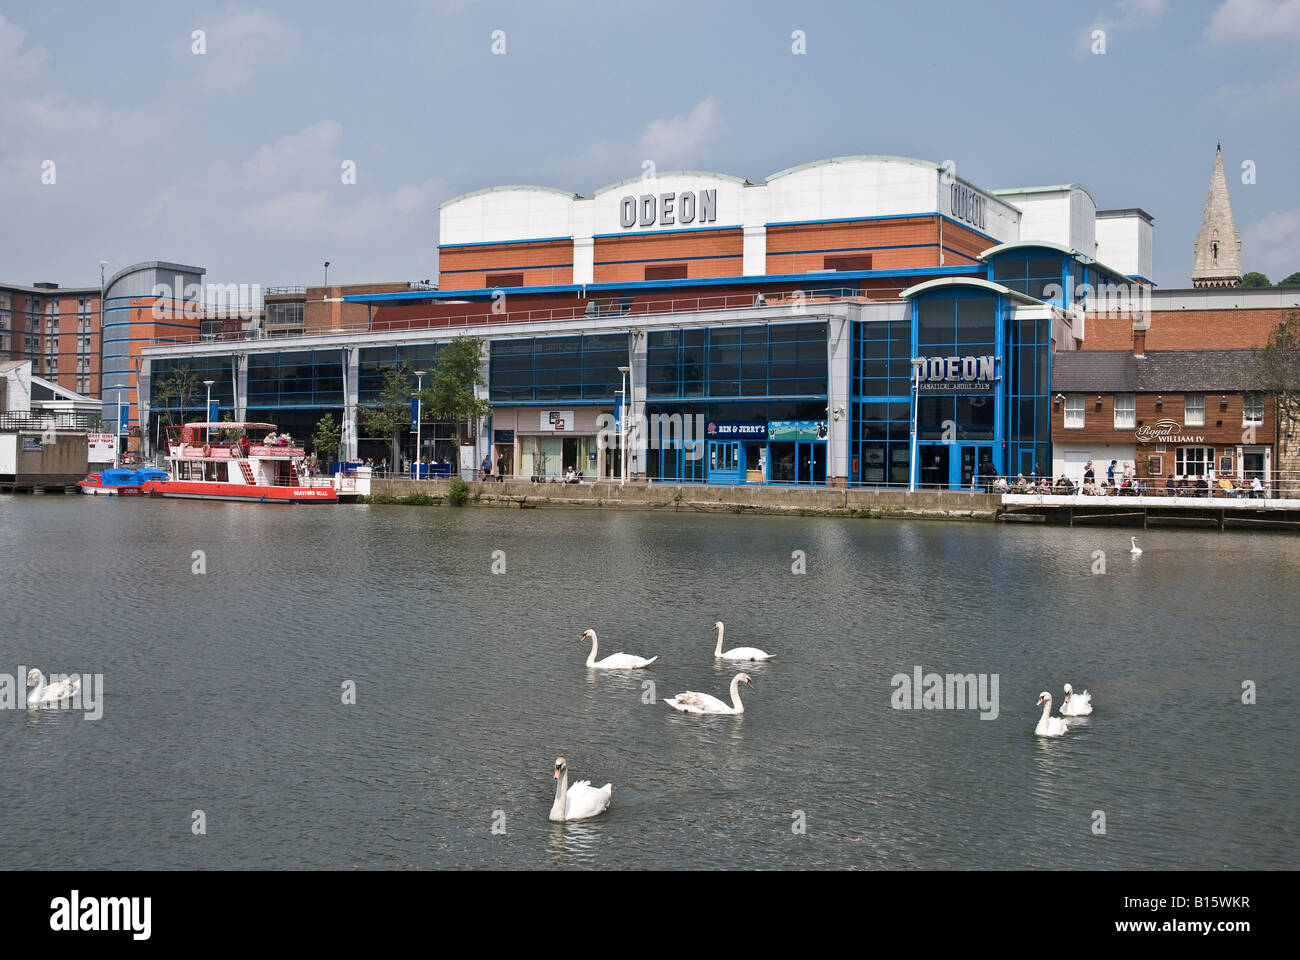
(1076, 704)
(580, 801)
(691, 702)
(54, 693)
(1136, 551)
(615, 661)
(1048, 725)
(737, 653)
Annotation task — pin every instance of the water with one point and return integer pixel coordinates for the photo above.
(224, 690)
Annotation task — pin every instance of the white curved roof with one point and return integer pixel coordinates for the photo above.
(976, 282)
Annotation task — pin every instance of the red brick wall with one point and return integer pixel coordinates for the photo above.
(1186, 329)
(542, 263)
(624, 259)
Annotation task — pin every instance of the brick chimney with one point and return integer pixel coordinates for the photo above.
(1140, 327)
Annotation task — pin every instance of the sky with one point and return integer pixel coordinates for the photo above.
(234, 158)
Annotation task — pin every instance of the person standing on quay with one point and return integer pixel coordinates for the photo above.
(501, 468)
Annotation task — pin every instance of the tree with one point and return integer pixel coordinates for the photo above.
(174, 392)
(456, 372)
(391, 411)
(1254, 279)
(1278, 371)
(325, 441)
(1291, 281)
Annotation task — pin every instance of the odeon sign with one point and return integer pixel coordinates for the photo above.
(1166, 431)
(954, 374)
(668, 209)
(966, 204)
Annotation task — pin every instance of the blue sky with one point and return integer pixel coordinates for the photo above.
(232, 159)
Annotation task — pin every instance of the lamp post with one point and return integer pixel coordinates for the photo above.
(622, 431)
(207, 411)
(419, 417)
(327, 276)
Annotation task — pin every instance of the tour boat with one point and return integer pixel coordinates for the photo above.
(220, 461)
(117, 482)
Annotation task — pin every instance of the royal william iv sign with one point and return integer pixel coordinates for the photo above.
(954, 374)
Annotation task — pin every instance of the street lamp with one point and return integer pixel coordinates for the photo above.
(327, 276)
(207, 411)
(622, 431)
(419, 415)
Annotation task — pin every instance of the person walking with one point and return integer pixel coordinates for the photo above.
(485, 468)
(501, 468)
(1110, 474)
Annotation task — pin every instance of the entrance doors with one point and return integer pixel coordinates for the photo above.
(956, 466)
(726, 461)
(934, 465)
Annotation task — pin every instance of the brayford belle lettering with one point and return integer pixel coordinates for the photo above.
(668, 209)
(1166, 430)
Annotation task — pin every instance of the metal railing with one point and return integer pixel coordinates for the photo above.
(44, 421)
(792, 301)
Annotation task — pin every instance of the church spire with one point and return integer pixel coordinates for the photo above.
(1218, 245)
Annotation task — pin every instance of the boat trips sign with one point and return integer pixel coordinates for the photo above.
(954, 374)
(99, 447)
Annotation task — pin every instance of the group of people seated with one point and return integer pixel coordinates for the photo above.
(1123, 482)
(280, 440)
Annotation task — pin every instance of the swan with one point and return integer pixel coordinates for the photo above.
(1136, 551)
(615, 661)
(580, 801)
(1048, 725)
(737, 653)
(54, 693)
(691, 702)
(1076, 704)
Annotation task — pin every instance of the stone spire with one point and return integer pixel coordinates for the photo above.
(1218, 245)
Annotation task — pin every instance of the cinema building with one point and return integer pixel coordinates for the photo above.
(862, 320)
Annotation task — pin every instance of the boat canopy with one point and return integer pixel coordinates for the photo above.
(187, 431)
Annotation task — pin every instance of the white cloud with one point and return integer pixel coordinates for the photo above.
(670, 143)
(1123, 16)
(1237, 20)
(17, 65)
(314, 147)
(1250, 99)
(1271, 244)
(238, 44)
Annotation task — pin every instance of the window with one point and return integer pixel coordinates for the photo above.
(504, 280)
(860, 261)
(1125, 411)
(1194, 415)
(1074, 412)
(1193, 461)
(1252, 409)
(667, 271)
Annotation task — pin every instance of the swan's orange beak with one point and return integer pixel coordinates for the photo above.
(1038, 702)
(557, 774)
(749, 684)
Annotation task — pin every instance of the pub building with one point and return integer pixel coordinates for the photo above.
(1170, 413)
(866, 320)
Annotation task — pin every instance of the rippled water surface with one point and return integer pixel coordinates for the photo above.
(224, 690)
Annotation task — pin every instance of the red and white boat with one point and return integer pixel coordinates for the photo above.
(220, 461)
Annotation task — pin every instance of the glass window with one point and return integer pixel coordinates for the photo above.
(1252, 409)
(1194, 410)
(1125, 411)
(1193, 461)
(1074, 411)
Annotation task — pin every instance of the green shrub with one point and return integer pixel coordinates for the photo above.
(419, 500)
(457, 492)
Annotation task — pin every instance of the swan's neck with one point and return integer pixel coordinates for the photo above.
(40, 688)
(717, 651)
(1047, 709)
(561, 793)
(735, 695)
(591, 658)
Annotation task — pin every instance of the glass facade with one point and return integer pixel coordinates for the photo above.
(546, 369)
(780, 360)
